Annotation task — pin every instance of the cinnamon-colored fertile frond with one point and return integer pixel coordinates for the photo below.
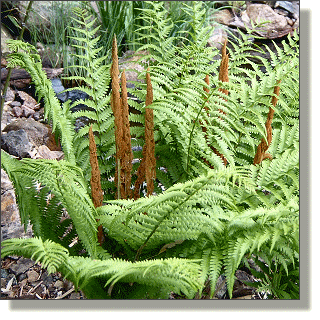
(147, 168)
(224, 65)
(116, 108)
(150, 165)
(261, 153)
(96, 191)
(125, 148)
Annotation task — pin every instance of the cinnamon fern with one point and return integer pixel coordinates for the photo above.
(211, 207)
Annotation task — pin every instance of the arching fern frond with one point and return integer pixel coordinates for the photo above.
(27, 57)
(177, 275)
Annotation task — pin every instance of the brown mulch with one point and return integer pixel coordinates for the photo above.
(21, 278)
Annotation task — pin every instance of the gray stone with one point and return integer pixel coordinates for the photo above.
(17, 111)
(10, 94)
(16, 143)
(223, 16)
(5, 36)
(58, 284)
(21, 277)
(290, 6)
(75, 295)
(217, 38)
(10, 217)
(73, 96)
(9, 209)
(221, 286)
(27, 111)
(57, 85)
(4, 273)
(38, 133)
(32, 276)
(22, 266)
(46, 278)
(15, 104)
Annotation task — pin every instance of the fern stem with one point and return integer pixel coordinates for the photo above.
(264, 145)
(150, 166)
(116, 108)
(147, 168)
(96, 191)
(127, 155)
(193, 127)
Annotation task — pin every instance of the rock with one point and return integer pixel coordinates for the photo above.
(5, 36)
(17, 111)
(46, 278)
(67, 285)
(277, 25)
(10, 95)
(4, 273)
(16, 143)
(4, 62)
(259, 13)
(217, 38)
(15, 104)
(58, 284)
(223, 16)
(289, 6)
(73, 96)
(22, 278)
(32, 276)
(27, 111)
(290, 22)
(9, 208)
(281, 12)
(28, 101)
(10, 217)
(38, 133)
(21, 266)
(57, 85)
(45, 153)
(75, 295)
(38, 115)
(222, 287)
(39, 16)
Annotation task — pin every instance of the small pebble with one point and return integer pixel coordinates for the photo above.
(67, 285)
(46, 278)
(58, 284)
(17, 111)
(36, 116)
(21, 277)
(32, 275)
(23, 283)
(4, 272)
(27, 111)
(15, 104)
(75, 295)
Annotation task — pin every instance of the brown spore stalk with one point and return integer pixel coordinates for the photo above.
(261, 153)
(118, 121)
(224, 65)
(125, 148)
(147, 168)
(95, 182)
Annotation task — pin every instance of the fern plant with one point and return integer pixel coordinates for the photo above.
(213, 215)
